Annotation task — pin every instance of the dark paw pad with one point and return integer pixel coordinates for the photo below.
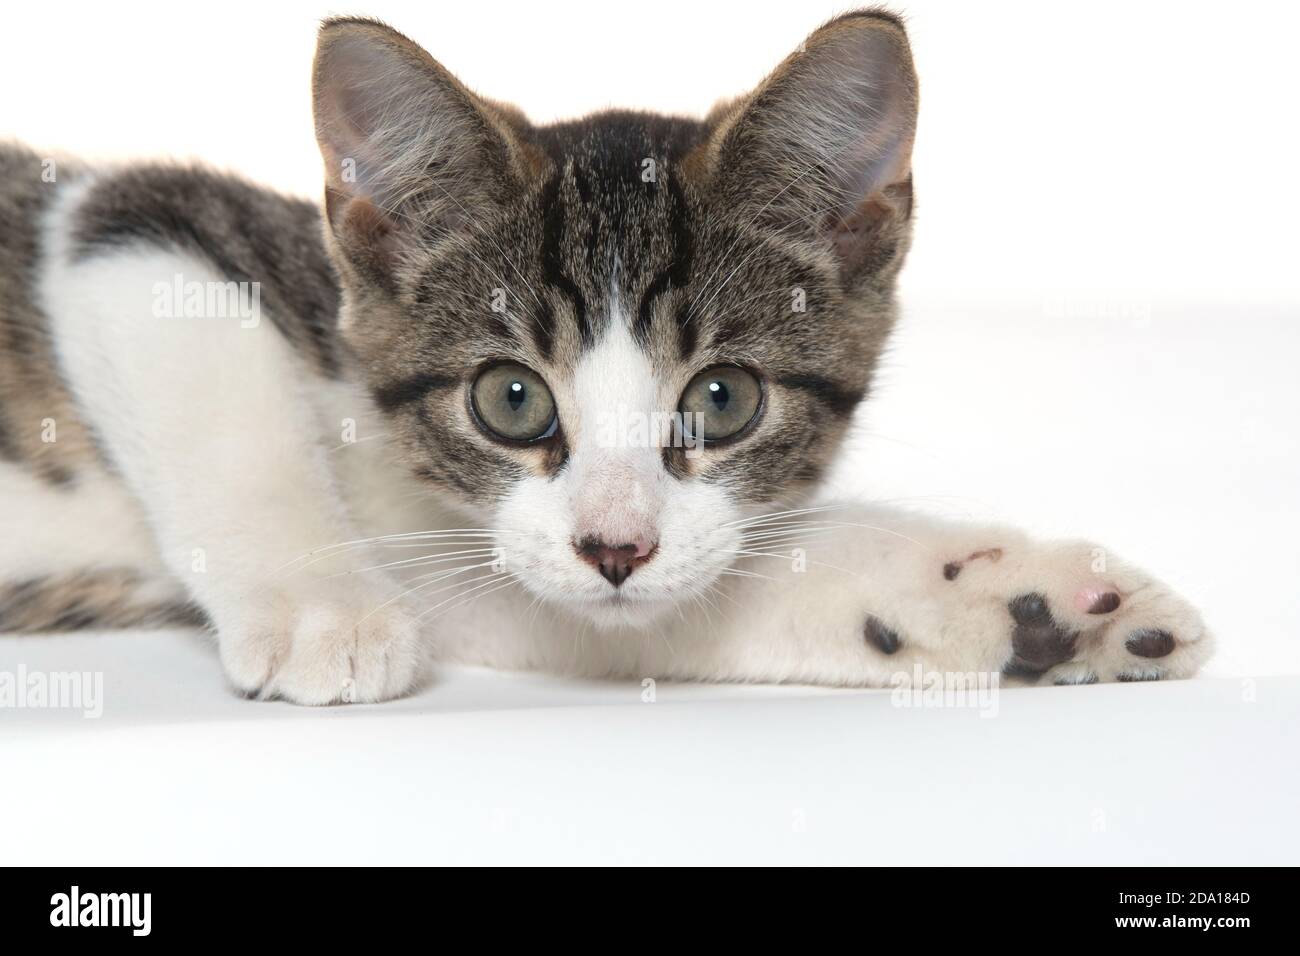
(1037, 640)
(880, 637)
(1150, 643)
(1030, 609)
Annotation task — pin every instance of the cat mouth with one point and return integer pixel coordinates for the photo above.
(620, 598)
(626, 608)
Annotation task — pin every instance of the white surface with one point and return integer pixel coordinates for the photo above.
(502, 768)
(1101, 338)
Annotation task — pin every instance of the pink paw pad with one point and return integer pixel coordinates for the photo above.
(1096, 600)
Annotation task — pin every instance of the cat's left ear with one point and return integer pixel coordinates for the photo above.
(822, 149)
(410, 153)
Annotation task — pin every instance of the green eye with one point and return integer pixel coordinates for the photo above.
(514, 403)
(720, 402)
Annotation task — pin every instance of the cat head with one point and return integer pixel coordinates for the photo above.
(620, 336)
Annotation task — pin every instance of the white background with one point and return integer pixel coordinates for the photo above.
(1101, 335)
(1144, 148)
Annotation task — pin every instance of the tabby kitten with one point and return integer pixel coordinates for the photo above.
(529, 396)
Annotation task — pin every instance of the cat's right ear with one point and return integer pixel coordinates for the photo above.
(410, 153)
(822, 149)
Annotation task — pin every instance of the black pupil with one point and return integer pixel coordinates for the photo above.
(718, 392)
(516, 394)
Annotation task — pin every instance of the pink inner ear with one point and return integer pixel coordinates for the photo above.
(851, 235)
(364, 219)
(365, 231)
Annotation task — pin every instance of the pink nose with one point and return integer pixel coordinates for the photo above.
(615, 562)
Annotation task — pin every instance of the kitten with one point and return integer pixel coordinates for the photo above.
(532, 397)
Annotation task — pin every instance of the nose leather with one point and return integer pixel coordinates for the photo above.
(615, 562)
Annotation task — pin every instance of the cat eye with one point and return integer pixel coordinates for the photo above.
(720, 402)
(512, 402)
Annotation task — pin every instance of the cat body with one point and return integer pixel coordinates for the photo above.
(529, 397)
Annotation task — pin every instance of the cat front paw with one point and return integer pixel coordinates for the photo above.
(1075, 617)
(1146, 635)
(319, 651)
(1055, 614)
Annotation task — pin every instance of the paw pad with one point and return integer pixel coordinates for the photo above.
(1100, 602)
(1038, 641)
(1150, 642)
(880, 637)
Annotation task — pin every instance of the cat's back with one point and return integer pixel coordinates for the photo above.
(86, 255)
(51, 207)
(248, 233)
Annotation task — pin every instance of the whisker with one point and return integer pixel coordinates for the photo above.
(787, 543)
(330, 550)
(440, 576)
(358, 441)
(831, 525)
(511, 578)
(457, 539)
(486, 579)
(416, 562)
(714, 589)
(801, 529)
(532, 611)
(763, 518)
(667, 643)
(783, 557)
(746, 573)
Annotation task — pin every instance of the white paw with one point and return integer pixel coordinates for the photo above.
(1065, 614)
(1151, 634)
(319, 651)
(1076, 615)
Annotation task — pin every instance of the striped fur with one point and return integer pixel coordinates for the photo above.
(260, 478)
(455, 233)
(103, 597)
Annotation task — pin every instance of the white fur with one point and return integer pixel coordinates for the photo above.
(618, 492)
(236, 478)
(220, 433)
(803, 620)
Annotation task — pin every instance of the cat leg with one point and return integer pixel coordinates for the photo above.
(212, 424)
(871, 595)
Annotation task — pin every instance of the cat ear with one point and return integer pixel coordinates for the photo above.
(823, 146)
(410, 153)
